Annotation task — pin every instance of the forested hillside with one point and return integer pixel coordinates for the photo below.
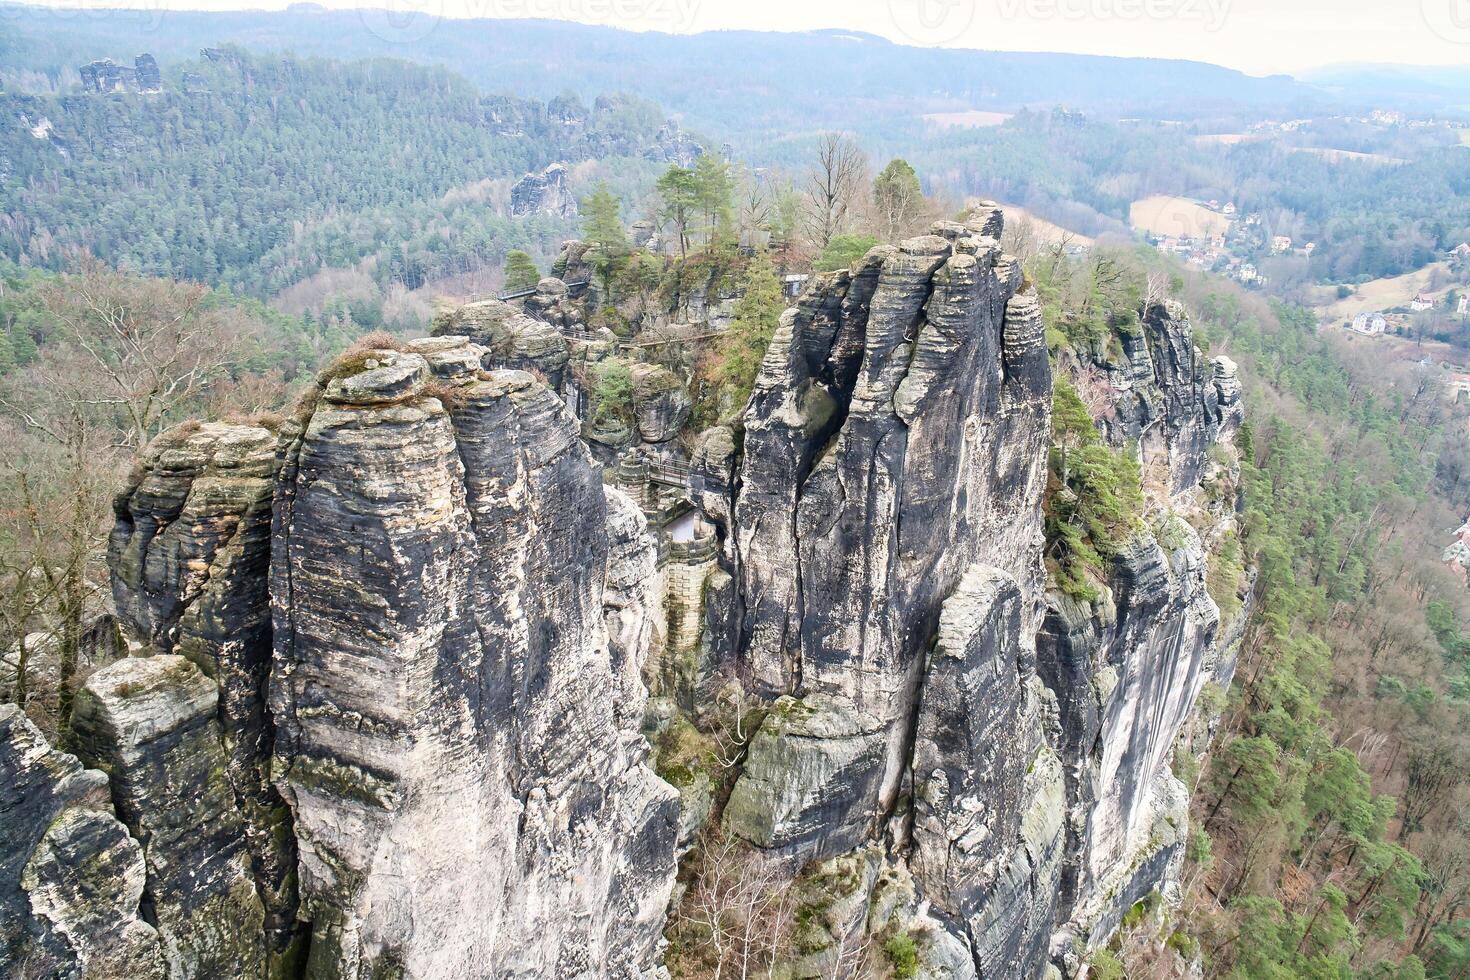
(801, 80)
(205, 181)
(1366, 220)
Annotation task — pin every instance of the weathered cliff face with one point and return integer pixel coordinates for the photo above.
(394, 659)
(150, 723)
(189, 552)
(1129, 668)
(71, 879)
(509, 338)
(883, 528)
(892, 431)
(544, 193)
(1166, 396)
(890, 492)
(466, 800)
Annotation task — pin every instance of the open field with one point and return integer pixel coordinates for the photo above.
(1340, 156)
(1226, 139)
(1464, 136)
(1176, 216)
(1391, 348)
(1044, 230)
(1377, 294)
(969, 119)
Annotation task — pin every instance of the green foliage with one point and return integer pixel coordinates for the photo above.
(520, 271)
(679, 197)
(1227, 569)
(601, 220)
(714, 186)
(290, 164)
(898, 200)
(1449, 955)
(1095, 501)
(842, 251)
(903, 955)
(736, 359)
(1105, 965)
(612, 392)
(1139, 911)
(1199, 851)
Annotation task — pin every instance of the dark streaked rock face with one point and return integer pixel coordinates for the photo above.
(1169, 398)
(71, 879)
(891, 436)
(467, 798)
(399, 650)
(150, 724)
(189, 553)
(1127, 670)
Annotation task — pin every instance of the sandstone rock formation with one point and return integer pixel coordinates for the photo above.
(510, 338)
(661, 403)
(71, 879)
(394, 655)
(544, 193)
(150, 723)
(189, 552)
(466, 799)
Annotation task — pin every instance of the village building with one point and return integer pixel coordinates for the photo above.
(1456, 384)
(1369, 324)
(1421, 302)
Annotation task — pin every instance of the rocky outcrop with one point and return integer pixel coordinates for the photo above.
(672, 145)
(1166, 396)
(897, 434)
(510, 338)
(108, 76)
(466, 798)
(630, 602)
(543, 193)
(661, 403)
(401, 650)
(891, 434)
(189, 552)
(1128, 668)
(150, 723)
(71, 879)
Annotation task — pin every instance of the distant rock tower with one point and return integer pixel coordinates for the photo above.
(543, 193)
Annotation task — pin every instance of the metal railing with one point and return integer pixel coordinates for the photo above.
(669, 474)
(523, 293)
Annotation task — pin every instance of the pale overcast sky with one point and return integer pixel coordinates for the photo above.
(1258, 36)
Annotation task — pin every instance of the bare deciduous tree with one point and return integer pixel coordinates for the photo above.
(741, 905)
(148, 346)
(832, 187)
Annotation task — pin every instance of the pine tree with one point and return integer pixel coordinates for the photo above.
(520, 271)
(897, 199)
(743, 346)
(714, 188)
(679, 191)
(601, 222)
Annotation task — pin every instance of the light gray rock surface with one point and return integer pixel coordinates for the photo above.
(510, 338)
(543, 193)
(189, 553)
(467, 799)
(150, 723)
(71, 879)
